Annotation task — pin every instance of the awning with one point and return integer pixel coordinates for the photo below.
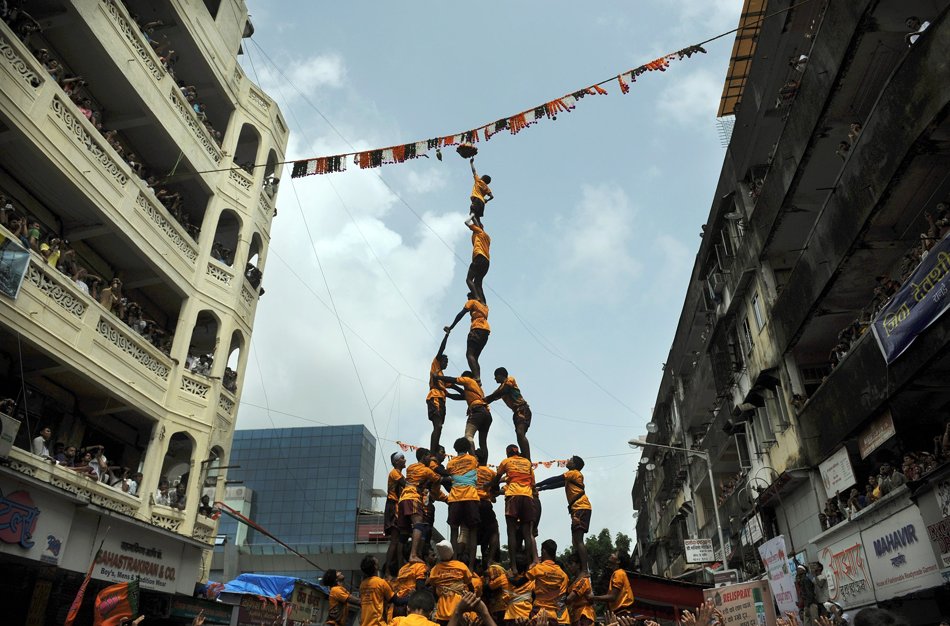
(750, 23)
(784, 482)
(663, 597)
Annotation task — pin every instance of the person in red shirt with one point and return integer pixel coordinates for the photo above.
(394, 484)
(516, 470)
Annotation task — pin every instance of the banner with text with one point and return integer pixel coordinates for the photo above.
(781, 576)
(900, 556)
(845, 568)
(836, 472)
(745, 604)
(917, 305)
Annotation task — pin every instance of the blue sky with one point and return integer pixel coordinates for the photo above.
(594, 228)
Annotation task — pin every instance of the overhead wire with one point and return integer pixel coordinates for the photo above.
(536, 335)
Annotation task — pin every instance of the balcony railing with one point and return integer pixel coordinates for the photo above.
(133, 36)
(15, 58)
(77, 484)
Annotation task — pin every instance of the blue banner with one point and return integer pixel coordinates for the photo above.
(13, 263)
(922, 299)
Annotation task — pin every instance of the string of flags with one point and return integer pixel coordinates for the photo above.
(408, 447)
(514, 124)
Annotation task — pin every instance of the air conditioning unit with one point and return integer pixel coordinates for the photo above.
(717, 282)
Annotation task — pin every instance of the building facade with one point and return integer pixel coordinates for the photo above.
(138, 175)
(800, 364)
(319, 501)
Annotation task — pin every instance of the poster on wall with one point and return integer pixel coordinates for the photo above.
(877, 432)
(745, 604)
(699, 550)
(942, 493)
(836, 472)
(33, 524)
(846, 570)
(781, 576)
(13, 263)
(900, 556)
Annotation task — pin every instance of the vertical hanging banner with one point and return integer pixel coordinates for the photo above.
(13, 263)
(918, 304)
(781, 578)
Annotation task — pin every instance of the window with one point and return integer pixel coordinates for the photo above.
(745, 337)
(778, 410)
(763, 426)
(757, 311)
(742, 447)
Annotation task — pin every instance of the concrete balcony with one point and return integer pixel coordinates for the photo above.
(123, 41)
(77, 484)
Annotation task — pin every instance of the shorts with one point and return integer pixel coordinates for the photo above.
(580, 520)
(390, 523)
(478, 206)
(428, 514)
(479, 420)
(436, 409)
(522, 415)
(520, 509)
(479, 266)
(464, 513)
(407, 510)
(488, 522)
(477, 338)
(536, 521)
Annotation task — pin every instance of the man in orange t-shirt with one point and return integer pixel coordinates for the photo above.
(516, 470)
(449, 579)
(550, 585)
(411, 577)
(487, 521)
(509, 393)
(578, 505)
(477, 334)
(394, 484)
(578, 596)
(421, 605)
(479, 416)
(619, 596)
(481, 194)
(478, 268)
(463, 500)
(374, 594)
(419, 476)
(435, 399)
(340, 598)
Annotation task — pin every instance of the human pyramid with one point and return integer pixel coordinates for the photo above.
(534, 587)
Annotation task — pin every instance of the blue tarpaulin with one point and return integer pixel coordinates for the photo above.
(262, 585)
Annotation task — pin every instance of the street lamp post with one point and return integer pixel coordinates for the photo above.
(712, 487)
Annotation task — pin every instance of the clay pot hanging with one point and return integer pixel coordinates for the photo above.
(466, 150)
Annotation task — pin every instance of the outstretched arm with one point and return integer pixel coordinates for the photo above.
(471, 162)
(458, 318)
(496, 394)
(442, 345)
(555, 482)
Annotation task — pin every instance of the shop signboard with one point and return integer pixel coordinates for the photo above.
(900, 556)
(129, 553)
(187, 608)
(699, 550)
(255, 610)
(745, 604)
(836, 472)
(33, 523)
(781, 576)
(846, 569)
(309, 605)
(877, 432)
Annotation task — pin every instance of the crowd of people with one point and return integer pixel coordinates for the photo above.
(841, 507)
(938, 227)
(61, 256)
(76, 88)
(728, 486)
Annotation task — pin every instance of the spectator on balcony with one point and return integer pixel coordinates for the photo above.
(134, 483)
(111, 297)
(178, 497)
(205, 507)
(40, 445)
(33, 235)
(6, 211)
(890, 479)
(229, 381)
(911, 467)
(8, 406)
(161, 494)
(253, 275)
(67, 457)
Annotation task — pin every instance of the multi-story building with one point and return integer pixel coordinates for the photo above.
(319, 501)
(833, 189)
(134, 148)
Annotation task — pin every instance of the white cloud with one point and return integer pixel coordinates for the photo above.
(692, 99)
(598, 237)
(306, 76)
(429, 180)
